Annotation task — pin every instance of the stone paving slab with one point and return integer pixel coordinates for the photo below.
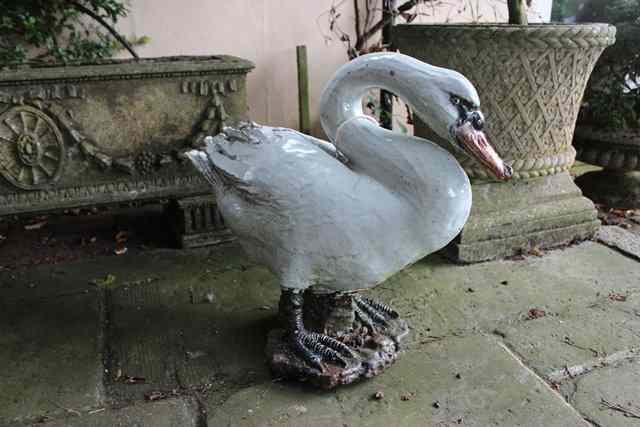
(619, 385)
(50, 347)
(551, 343)
(179, 412)
(471, 381)
(194, 322)
(621, 239)
(203, 321)
(439, 298)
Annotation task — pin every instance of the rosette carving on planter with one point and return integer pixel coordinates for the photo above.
(32, 151)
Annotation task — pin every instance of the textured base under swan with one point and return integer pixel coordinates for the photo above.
(374, 351)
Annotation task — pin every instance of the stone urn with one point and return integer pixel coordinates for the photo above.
(618, 184)
(608, 129)
(531, 80)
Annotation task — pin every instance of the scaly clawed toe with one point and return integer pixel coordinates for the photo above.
(373, 314)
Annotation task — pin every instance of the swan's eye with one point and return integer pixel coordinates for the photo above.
(456, 100)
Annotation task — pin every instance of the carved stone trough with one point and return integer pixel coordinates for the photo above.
(80, 135)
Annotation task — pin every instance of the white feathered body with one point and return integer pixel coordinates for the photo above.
(316, 221)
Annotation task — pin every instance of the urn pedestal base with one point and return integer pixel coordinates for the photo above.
(195, 221)
(333, 314)
(612, 188)
(510, 218)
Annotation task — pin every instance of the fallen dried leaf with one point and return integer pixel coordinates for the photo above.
(120, 250)
(378, 395)
(536, 251)
(134, 380)
(535, 313)
(407, 396)
(121, 237)
(617, 297)
(155, 395)
(37, 224)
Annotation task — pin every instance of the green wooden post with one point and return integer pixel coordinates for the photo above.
(386, 98)
(303, 90)
(517, 12)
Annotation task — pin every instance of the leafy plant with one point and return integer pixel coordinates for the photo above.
(59, 30)
(612, 97)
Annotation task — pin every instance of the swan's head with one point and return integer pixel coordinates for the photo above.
(453, 112)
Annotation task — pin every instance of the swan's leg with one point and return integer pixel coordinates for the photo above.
(372, 313)
(315, 348)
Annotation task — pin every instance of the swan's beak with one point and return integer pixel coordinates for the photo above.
(475, 144)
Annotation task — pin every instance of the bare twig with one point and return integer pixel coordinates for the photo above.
(371, 31)
(106, 25)
(570, 342)
(627, 412)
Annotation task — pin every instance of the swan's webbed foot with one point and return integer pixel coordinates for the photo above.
(314, 348)
(373, 314)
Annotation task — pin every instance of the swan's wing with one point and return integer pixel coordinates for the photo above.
(263, 162)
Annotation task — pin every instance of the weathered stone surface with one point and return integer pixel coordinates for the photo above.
(202, 319)
(196, 221)
(511, 218)
(196, 321)
(468, 381)
(615, 385)
(50, 345)
(552, 343)
(439, 299)
(621, 239)
(79, 135)
(179, 412)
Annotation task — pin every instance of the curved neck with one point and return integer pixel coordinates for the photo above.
(413, 81)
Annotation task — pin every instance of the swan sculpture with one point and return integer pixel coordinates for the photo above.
(345, 215)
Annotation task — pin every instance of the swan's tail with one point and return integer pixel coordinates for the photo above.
(204, 165)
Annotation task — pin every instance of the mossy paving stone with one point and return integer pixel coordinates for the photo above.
(50, 338)
(551, 343)
(179, 412)
(440, 299)
(201, 324)
(470, 381)
(619, 385)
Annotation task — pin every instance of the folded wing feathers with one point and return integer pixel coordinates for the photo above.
(202, 163)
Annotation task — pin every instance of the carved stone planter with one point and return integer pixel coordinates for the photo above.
(111, 132)
(531, 80)
(618, 184)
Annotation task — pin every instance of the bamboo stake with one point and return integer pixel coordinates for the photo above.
(517, 12)
(303, 90)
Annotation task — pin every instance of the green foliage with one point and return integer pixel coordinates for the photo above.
(611, 99)
(559, 10)
(56, 30)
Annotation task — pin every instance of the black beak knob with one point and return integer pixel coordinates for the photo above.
(477, 120)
